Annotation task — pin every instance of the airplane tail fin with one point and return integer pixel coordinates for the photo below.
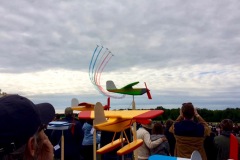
(107, 106)
(110, 85)
(74, 102)
(99, 114)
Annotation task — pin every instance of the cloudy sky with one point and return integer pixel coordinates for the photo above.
(186, 51)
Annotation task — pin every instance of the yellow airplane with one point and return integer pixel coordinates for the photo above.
(118, 121)
(85, 106)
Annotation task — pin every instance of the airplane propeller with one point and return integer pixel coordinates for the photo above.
(148, 92)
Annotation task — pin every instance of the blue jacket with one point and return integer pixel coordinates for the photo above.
(88, 134)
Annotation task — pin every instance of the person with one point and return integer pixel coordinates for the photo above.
(87, 143)
(209, 146)
(72, 138)
(189, 134)
(170, 137)
(22, 125)
(236, 129)
(144, 133)
(163, 148)
(222, 142)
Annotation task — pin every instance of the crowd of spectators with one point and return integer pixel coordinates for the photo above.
(23, 135)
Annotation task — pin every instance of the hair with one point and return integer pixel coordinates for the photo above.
(188, 110)
(157, 128)
(23, 152)
(89, 121)
(68, 112)
(169, 123)
(226, 125)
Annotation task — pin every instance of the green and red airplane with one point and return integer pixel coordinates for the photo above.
(128, 89)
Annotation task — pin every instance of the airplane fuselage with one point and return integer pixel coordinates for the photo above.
(135, 91)
(115, 124)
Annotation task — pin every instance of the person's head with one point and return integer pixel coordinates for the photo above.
(169, 123)
(188, 110)
(68, 112)
(157, 128)
(57, 117)
(148, 125)
(226, 125)
(21, 128)
(89, 121)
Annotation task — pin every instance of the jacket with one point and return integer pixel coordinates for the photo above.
(163, 148)
(222, 145)
(144, 149)
(190, 136)
(88, 135)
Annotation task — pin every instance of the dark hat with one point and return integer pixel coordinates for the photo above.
(20, 119)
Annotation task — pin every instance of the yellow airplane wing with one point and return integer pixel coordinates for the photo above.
(83, 107)
(124, 114)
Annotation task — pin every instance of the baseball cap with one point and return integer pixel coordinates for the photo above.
(20, 119)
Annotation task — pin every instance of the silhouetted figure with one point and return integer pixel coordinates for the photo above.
(72, 138)
(170, 137)
(209, 146)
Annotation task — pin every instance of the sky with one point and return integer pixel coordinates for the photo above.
(185, 51)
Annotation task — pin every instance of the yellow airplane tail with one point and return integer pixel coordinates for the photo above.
(99, 114)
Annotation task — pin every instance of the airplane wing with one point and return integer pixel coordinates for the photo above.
(124, 114)
(84, 106)
(129, 86)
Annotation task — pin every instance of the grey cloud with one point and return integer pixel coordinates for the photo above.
(42, 35)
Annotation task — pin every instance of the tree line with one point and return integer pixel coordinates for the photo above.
(207, 115)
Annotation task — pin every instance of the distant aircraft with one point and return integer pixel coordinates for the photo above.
(118, 121)
(128, 89)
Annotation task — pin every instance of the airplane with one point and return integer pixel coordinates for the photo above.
(195, 156)
(118, 121)
(85, 106)
(128, 89)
